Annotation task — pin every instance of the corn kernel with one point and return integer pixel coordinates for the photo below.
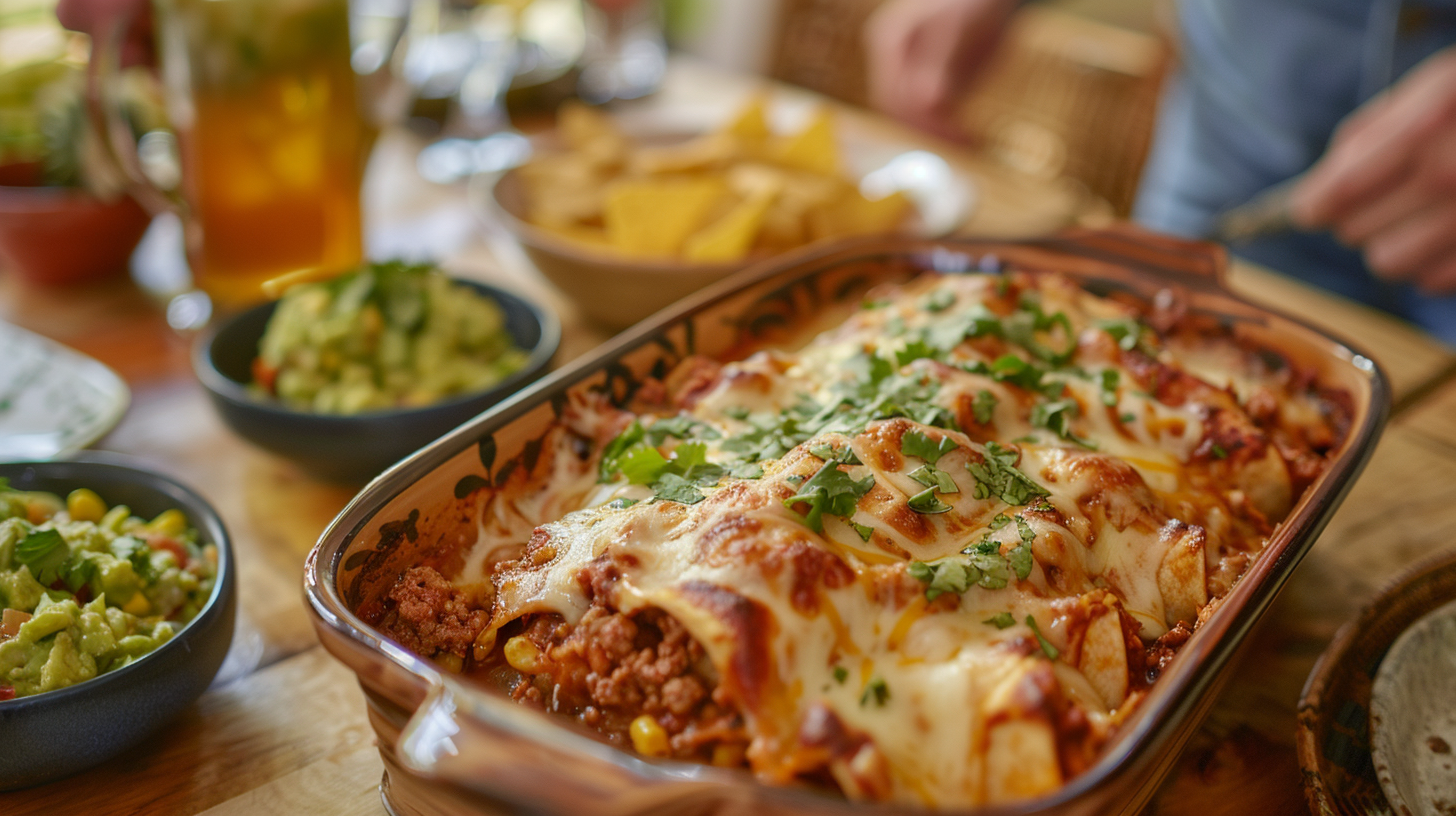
(728, 754)
(648, 737)
(138, 605)
(452, 663)
(168, 523)
(523, 655)
(85, 505)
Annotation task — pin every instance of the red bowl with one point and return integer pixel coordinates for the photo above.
(57, 235)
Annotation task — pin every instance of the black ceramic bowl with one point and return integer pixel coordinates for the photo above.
(60, 732)
(358, 447)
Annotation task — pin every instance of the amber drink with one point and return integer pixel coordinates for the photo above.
(264, 103)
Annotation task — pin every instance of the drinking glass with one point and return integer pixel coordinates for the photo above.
(265, 110)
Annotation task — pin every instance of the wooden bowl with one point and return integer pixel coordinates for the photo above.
(54, 236)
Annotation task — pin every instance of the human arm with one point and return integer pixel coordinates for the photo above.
(922, 53)
(1387, 183)
(95, 17)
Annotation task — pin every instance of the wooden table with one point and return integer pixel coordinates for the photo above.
(284, 729)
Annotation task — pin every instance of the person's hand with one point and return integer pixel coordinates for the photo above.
(1387, 183)
(96, 17)
(923, 53)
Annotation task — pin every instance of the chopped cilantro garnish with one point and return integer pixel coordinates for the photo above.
(642, 465)
(1020, 557)
(942, 577)
(611, 455)
(1047, 648)
(926, 502)
(43, 551)
(746, 470)
(736, 412)
(938, 301)
(1125, 330)
(672, 487)
(915, 443)
(996, 475)
(621, 504)
(840, 674)
(1218, 451)
(915, 350)
(1127, 417)
(1056, 416)
(984, 406)
(863, 530)
(830, 491)
(930, 477)
(876, 692)
(1000, 520)
(824, 451)
(1002, 620)
(1110, 378)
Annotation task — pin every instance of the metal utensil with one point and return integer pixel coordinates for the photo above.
(1265, 214)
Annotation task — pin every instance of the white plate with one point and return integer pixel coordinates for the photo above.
(1413, 717)
(53, 400)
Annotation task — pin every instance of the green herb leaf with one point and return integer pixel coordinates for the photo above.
(642, 465)
(824, 451)
(876, 692)
(736, 412)
(1218, 451)
(1110, 379)
(1000, 520)
(915, 443)
(746, 470)
(628, 438)
(1020, 558)
(951, 576)
(1056, 416)
(1047, 648)
(983, 408)
(621, 504)
(1125, 330)
(926, 502)
(840, 674)
(916, 349)
(672, 487)
(928, 476)
(1128, 418)
(938, 301)
(996, 475)
(831, 491)
(863, 530)
(1002, 620)
(43, 551)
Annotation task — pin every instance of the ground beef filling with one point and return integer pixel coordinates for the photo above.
(640, 680)
(430, 617)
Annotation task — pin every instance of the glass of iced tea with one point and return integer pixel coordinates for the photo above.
(265, 110)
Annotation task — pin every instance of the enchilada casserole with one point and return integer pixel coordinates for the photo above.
(935, 554)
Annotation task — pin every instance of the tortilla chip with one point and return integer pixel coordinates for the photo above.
(653, 217)
(751, 123)
(592, 133)
(857, 215)
(814, 148)
(730, 237)
(593, 239)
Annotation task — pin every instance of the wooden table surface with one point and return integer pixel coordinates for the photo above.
(284, 729)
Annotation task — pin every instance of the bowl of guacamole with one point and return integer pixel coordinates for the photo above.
(116, 610)
(349, 375)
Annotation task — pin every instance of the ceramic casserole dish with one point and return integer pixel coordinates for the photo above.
(452, 746)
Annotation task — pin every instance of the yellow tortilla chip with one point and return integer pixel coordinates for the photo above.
(653, 217)
(593, 239)
(751, 123)
(592, 133)
(814, 148)
(857, 215)
(703, 153)
(730, 237)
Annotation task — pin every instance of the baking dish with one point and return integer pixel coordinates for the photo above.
(452, 747)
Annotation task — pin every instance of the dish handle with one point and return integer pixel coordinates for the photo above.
(1197, 264)
(512, 756)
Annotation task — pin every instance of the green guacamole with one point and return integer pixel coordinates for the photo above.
(388, 335)
(86, 589)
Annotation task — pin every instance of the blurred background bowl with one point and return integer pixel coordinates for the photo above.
(58, 235)
(58, 733)
(355, 448)
(613, 291)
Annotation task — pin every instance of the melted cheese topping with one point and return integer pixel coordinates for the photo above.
(954, 695)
